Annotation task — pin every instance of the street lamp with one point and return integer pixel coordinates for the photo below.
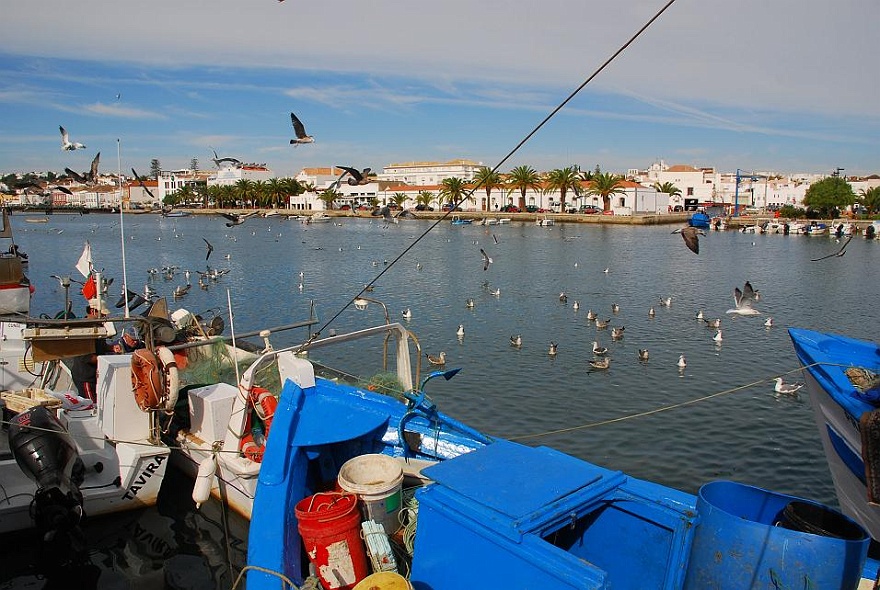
(361, 303)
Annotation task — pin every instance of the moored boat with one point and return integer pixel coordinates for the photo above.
(842, 376)
(459, 220)
(700, 220)
(510, 515)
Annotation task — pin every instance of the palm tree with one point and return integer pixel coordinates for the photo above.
(328, 196)
(668, 188)
(488, 179)
(262, 197)
(245, 190)
(424, 198)
(563, 180)
(604, 185)
(399, 199)
(276, 189)
(454, 190)
(871, 199)
(523, 178)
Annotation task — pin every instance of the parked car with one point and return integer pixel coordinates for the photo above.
(422, 207)
(345, 208)
(448, 207)
(531, 209)
(590, 210)
(510, 209)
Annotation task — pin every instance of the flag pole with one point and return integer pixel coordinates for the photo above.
(122, 227)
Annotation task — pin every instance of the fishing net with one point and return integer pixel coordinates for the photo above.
(216, 363)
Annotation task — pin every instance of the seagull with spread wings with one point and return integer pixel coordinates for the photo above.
(744, 300)
(210, 249)
(840, 252)
(691, 237)
(487, 260)
(89, 177)
(66, 144)
(143, 186)
(356, 177)
(235, 219)
(300, 130)
(235, 162)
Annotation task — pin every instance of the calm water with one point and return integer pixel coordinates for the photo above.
(749, 434)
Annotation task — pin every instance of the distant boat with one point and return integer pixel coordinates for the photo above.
(176, 214)
(544, 221)
(458, 220)
(700, 220)
(319, 217)
(37, 220)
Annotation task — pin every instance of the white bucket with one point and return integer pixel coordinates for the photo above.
(377, 480)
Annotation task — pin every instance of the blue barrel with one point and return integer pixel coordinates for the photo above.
(748, 537)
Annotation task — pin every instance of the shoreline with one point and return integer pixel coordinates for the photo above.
(598, 219)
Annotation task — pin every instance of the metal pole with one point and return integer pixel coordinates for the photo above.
(736, 196)
(122, 227)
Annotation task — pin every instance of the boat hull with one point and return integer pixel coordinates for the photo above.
(837, 408)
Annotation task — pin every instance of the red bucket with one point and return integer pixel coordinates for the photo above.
(329, 524)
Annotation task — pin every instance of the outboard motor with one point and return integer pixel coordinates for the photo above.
(46, 453)
(869, 232)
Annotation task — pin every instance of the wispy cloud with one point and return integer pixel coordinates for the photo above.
(121, 110)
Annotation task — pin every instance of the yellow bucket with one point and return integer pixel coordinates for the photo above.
(384, 581)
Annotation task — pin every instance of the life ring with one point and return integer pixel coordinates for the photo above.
(146, 382)
(264, 405)
(172, 377)
(154, 379)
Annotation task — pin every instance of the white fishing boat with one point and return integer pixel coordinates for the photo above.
(319, 217)
(544, 221)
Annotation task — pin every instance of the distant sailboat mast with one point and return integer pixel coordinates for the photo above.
(122, 226)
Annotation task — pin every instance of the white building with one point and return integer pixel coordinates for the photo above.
(429, 173)
(230, 175)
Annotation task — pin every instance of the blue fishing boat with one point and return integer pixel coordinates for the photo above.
(354, 482)
(458, 220)
(841, 376)
(700, 220)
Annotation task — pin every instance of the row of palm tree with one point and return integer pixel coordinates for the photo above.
(521, 179)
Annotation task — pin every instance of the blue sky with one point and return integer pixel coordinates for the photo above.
(787, 86)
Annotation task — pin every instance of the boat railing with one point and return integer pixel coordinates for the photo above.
(396, 330)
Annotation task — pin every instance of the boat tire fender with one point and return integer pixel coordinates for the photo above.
(171, 375)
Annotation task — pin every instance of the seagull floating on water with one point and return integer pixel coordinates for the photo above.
(407, 314)
(66, 144)
(667, 302)
(552, 350)
(599, 350)
(716, 323)
(717, 337)
(768, 322)
(602, 363)
(682, 362)
(437, 360)
(615, 308)
(744, 300)
(617, 333)
(469, 303)
(300, 130)
(563, 298)
(643, 354)
(591, 315)
(787, 388)
(651, 312)
(602, 324)
(460, 331)
(699, 315)
(576, 306)
(516, 340)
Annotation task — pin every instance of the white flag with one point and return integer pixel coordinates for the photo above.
(84, 264)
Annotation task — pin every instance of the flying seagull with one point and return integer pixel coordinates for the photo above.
(210, 249)
(143, 186)
(486, 259)
(235, 219)
(218, 160)
(691, 237)
(744, 300)
(89, 177)
(357, 177)
(840, 252)
(66, 144)
(300, 131)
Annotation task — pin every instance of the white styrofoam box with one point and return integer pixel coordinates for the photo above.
(209, 409)
(119, 415)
